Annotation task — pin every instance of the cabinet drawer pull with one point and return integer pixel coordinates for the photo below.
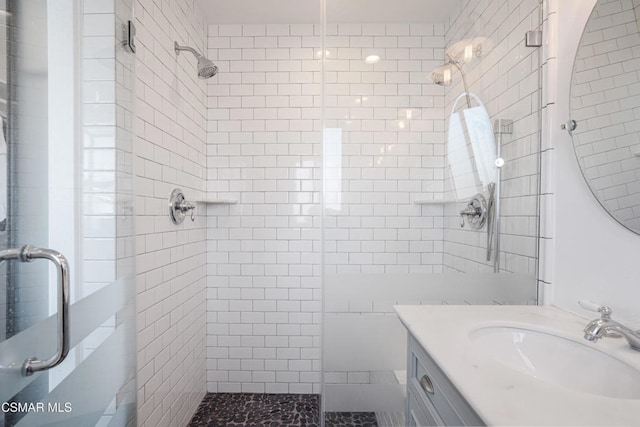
(426, 384)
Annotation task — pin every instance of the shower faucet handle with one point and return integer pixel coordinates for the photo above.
(179, 206)
(185, 206)
(475, 212)
(469, 211)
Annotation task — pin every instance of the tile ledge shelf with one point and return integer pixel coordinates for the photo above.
(435, 202)
(217, 201)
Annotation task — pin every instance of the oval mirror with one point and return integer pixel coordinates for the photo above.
(605, 103)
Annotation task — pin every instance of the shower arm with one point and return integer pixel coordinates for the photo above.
(464, 78)
(178, 48)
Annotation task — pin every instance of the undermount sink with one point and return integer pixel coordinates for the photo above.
(556, 360)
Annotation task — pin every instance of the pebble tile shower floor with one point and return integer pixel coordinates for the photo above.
(273, 410)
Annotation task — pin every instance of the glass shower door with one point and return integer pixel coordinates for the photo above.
(418, 117)
(67, 354)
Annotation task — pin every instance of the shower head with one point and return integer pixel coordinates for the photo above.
(206, 68)
(442, 75)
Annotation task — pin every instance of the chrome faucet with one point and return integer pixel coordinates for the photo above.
(604, 327)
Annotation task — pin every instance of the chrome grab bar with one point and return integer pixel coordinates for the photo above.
(28, 253)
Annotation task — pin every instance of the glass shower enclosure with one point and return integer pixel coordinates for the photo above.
(430, 180)
(67, 291)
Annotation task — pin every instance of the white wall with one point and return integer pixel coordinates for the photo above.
(592, 256)
(170, 263)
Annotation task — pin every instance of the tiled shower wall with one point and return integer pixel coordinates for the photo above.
(386, 139)
(263, 253)
(384, 149)
(506, 78)
(107, 175)
(99, 145)
(264, 147)
(170, 152)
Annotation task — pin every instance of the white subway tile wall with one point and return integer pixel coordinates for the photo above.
(170, 148)
(125, 96)
(506, 78)
(384, 150)
(99, 148)
(263, 276)
(107, 164)
(604, 103)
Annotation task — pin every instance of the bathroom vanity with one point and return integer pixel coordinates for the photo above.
(515, 365)
(432, 400)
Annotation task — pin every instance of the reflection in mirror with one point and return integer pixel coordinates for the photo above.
(605, 103)
(471, 149)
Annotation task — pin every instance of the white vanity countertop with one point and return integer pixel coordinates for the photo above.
(502, 396)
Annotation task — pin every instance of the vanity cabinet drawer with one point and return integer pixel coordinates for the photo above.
(419, 415)
(433, 390)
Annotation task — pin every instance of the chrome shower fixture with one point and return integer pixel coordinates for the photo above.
(466, 50)
(206, 68)
(442, 75)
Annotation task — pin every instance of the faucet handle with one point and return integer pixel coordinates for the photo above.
(604, 311)
(605, 314)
